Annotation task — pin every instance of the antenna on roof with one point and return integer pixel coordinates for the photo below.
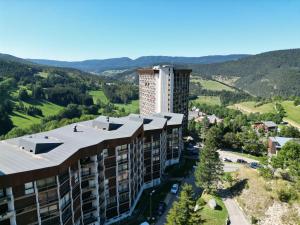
(75, 128)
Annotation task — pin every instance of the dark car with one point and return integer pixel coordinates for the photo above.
(241, 161)
(254, 165)
(161, 208)
(227, 160)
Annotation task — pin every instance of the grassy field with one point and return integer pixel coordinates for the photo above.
(210, 100)
(212, 85)
(132, 107)
(23, 121)
(292, 111)
(98, 95)
(214, 217)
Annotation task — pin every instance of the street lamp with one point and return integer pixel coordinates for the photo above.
(151, 193)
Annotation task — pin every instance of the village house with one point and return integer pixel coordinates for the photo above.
(276, 143)
(266, 126)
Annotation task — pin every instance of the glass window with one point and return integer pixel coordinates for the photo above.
(29, 188)
(65, 200)
(76, 177)
(2, 192)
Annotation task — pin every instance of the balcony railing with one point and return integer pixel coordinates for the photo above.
(89, 220)
(85, 176)
(6, 215)
(5, 199)
(88, 198)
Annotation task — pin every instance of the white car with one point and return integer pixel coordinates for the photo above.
(174, 189)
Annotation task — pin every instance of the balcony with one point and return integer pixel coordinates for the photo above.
(47, 187)
(88, 188)
(86, 163)
(6, 215)
(89, 220)
(5, 199)
(88, 198)
(86, 176)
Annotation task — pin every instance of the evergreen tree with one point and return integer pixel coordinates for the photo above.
(210, 168)
(182, 212)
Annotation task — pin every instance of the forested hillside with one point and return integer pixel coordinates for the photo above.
(266, 74)
(35, 97)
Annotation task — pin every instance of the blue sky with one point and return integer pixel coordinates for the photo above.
(78, 30)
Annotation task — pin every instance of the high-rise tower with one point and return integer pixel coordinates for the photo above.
(164, 89)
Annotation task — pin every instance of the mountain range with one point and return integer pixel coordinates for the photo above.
(100, 65)
(266, 74)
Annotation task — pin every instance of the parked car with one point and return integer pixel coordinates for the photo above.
(161, 208)
(145, 223)
(227, 160)
(254, 165)
(241, 161)
(174, 189)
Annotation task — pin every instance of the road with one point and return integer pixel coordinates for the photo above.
(234, 157)
(236, 215)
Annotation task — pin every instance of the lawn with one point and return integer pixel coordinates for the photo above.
(98, 95)
(210, 100)
(214, 217)
(212, 85)
(292, 111)
(132, 107)
(24, 121)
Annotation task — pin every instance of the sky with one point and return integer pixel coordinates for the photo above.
(90, 29)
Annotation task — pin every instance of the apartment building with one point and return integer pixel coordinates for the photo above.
(92, 172)
(164, 89)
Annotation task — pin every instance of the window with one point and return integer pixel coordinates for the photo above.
(50, 181)
(122, 157)
(48, 210)
(48, 196)
(104, 153)
(29, 188)
(2, 192)
(122, 167)
(123, 187)
(76, 177)
(65, 200)
(156, 158)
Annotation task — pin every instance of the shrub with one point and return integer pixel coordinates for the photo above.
(266, 172)
(201, 202)
(286, 195)
(254, 220)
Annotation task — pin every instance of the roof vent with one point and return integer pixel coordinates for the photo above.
(75, 128)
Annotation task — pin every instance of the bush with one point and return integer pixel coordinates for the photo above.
(254, 220)
(201, 202)
(266, 172)
(287, 195)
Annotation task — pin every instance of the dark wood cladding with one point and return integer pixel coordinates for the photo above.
(27, 176)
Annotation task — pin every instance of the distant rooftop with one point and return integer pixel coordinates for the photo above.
(281, 141)
(269, 124)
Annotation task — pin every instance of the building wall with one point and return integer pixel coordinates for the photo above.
(99, 188)
(147, 93)
(164, 89)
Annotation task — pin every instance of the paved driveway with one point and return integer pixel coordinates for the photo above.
(236, 215)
